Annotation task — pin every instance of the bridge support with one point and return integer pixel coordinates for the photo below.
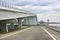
(4, 28)
(30, 21)
(19, 23)
(26, 21)
(12, 26)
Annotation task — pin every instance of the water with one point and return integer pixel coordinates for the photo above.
(54, 24)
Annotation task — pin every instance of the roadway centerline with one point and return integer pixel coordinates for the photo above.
(49, 33)
(13, 33)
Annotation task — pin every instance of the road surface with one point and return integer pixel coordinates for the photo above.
(34, 33)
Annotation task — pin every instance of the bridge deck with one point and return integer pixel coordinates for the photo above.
(11, 16)
(7, 13)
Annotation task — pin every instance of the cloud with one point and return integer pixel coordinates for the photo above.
(45, 9)
(6, 1)
(37, 9)
(38, 5)
(33, 2)
(53, 17)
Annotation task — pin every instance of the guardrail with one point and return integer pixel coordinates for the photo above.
(57, 28)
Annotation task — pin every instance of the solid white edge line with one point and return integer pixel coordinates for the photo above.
(7, 35)
(48, 33)
(56, 37)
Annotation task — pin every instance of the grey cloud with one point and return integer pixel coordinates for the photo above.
(35, 3)
(37, 11)
(22, 3)
(27, 2)
(56, 9)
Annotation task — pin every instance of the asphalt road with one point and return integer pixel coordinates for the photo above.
(34, 33)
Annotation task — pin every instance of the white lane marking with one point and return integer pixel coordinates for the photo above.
(48, 33)
(10, 34)
(56, 37)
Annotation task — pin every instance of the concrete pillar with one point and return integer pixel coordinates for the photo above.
(26, 21)
(36, 19)
(19, 23)
(12, 26)
(4, 28)
(32, 20)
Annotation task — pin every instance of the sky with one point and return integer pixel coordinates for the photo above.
(45, 9)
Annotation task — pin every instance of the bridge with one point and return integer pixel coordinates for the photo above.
(12, 15)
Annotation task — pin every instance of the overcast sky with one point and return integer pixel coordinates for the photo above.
(45, 9)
